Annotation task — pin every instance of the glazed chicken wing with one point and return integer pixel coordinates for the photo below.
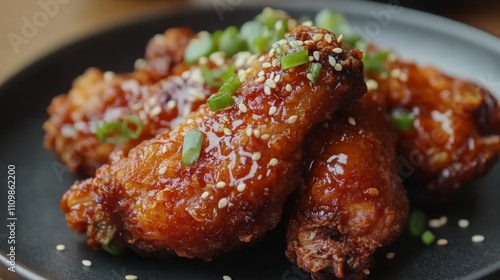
(353, 201)
(455, 136)
(248, 164)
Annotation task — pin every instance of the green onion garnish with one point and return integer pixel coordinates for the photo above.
(251, 31)
(119, 132)
(231, 41)
(428, 238)
(191, 148)
(216, 77)
(113, 249)
(403, 121)
(374, 62)
(416, 223)
(283, 29)
(315, 70)
(199, 47)
(294, 59)
(331, 21)
(224, 97)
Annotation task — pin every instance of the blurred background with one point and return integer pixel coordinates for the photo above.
(63, 21)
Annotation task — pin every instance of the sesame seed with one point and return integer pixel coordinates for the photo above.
(337, 50)
(256, 132)
(260, 79)
(156, 111)
(434, 223)
(288, 87)
(241, 187)
(86, 263)
(265, 136)
(308, 42)
(272, 110)
(220, 185)
(351, 121)
(203, 60)
(242, 108)
(317, 37)
(395, 72)
(443, 220)
(226, 277)
(371, 84)
(190, 121)
(390, 255)
(311, 58)
(442, 242)
(108, 76)
(292, 119)
(162, 170)
(282, 42)
(271, 76)
(227, 131)
(328, 38)
(463, 223)
(261, 73)
(477, 238)
(278, 51)
(270, 83)
(60, 247)
(267, 90)
(332, 60)
(339, 39)
(131, 277)
(366, 271)
(271, 53)
(222, 203)
(171, 104)
(338, 67)
(275, 62)
(256, 156)
(277, 78)
(140, 64)
(300, 42)
(261, 58)
(273, 162)
(307, 23)
(158, 38)
(205, 194)
(249, 131)
(225, 118)
(310, 77)
(316, 55)
(266, 65)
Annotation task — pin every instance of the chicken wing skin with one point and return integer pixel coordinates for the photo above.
(456, 129)
(247, 167)
(353, 201)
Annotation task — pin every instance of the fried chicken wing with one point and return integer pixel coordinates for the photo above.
(353, 201)
(248, 165)
(456, 130)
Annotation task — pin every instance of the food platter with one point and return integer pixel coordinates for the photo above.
(41, 179)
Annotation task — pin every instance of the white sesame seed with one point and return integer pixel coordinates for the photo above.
(140, 64)
(282, 42)
(328, 38)
(261, 58)
(225, 118)
(271, 53)
(227, 131)
(190, 121)
(108, 76)
(156, 111)
(171, 104)
(265, 136)
(266, 65)
(477, 238)
(226, 277)
(261, 73)
(300, 42)
(351, 121)
(317, 37)
(260, 79)
(222, 203)
(220, 185)
(270, 83)
(205, 195)
(366, 271)
(310, 77)
(390, 255)
(434, 223)
(371, 84)
(162, 170)
(272, 110)
(242, 108)
(337, 50)
(271, 76)
(316, 55)
(339, 39)
(275, 62)
(443, 220)
(308, 42)
(332, 60)
(311, 58)
(267, 90)
(131, 277)
(256, 156)
(442, 242)
(395, 72)
(463, 223)
(249, 131)
(288, 87)
(292, 119)
(338, 67)
(86, 263)
(241, 187)
(277, 79)
(203, 60)
(307, 23)
(256, 132)
(403, 77)
(273, 162)
(60, 247)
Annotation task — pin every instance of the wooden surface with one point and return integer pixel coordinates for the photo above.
(75, 19)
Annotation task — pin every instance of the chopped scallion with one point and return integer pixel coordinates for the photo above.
(138, 126)
(374, 62)
(191, 147)
(199, 47)
(119, 132)
(315, 70)
(403, 121)
(216, 77)
(224, 97)
(416, 223)
(294, 59)
(231, 41)
(428, 237)
(113, 249)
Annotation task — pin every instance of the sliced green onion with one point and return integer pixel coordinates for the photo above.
(261, 44)
(216, 37)
(138, 126)
(283, 29)
(331, 21)
(374, 62)
(231, 41)
(294, 59)
(428, 238)
(315, 70)
(251, 31)
(403, 121)
(199, 47)
(224, 97)
(216, 77)
(416, 223)
(113, 249)
(119, 132)
(191, 148)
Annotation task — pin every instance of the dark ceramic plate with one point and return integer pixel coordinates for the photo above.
(40, 225)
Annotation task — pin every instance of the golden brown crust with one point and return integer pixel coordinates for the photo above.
(157, 204)
(353, 201)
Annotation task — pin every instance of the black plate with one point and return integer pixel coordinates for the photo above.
(40, 226)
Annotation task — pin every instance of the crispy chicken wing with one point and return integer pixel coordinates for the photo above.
(456, 129)
(353, 201)
(247, 167)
